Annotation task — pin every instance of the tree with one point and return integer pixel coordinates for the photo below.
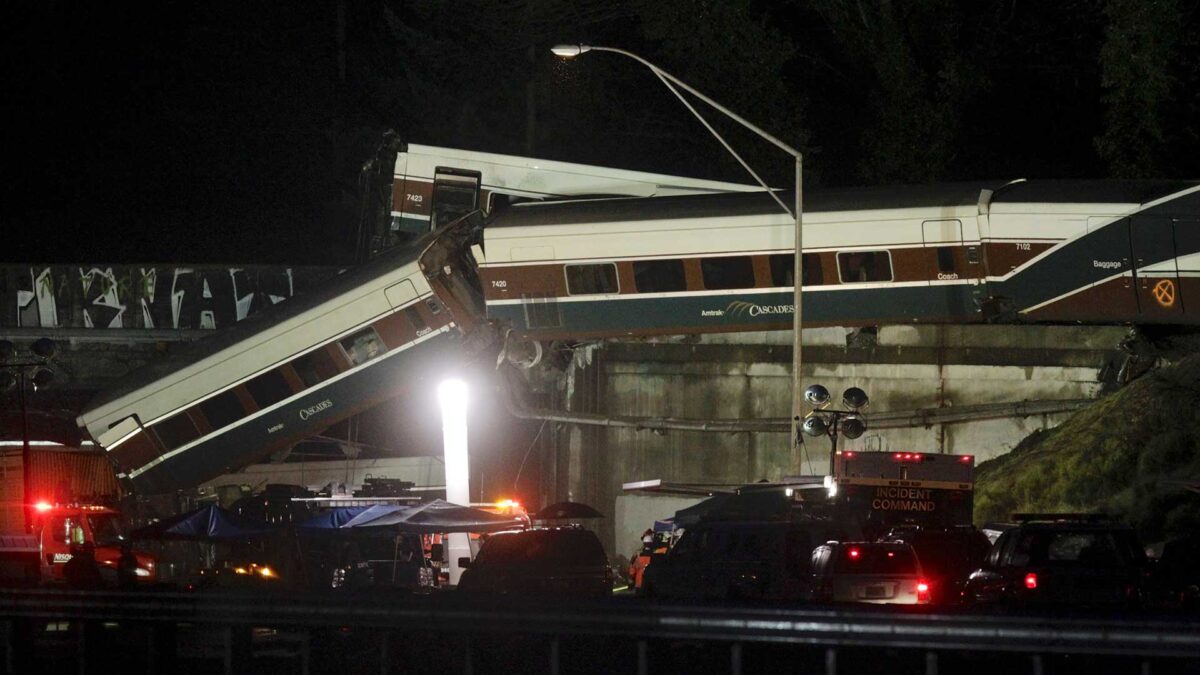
(1140, 46)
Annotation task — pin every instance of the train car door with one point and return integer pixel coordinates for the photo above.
(1156, 273)
(455, 194)
(953, 265)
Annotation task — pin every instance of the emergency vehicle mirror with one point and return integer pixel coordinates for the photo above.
(853, 427)
(855, 398)
(817, 395)
(7, 348)
(436, 553)
(815, 426)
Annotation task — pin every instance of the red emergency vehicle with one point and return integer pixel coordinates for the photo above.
(61, 526)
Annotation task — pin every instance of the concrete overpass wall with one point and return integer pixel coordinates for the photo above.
(749, 376)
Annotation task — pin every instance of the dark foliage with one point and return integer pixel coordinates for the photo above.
(226, 132)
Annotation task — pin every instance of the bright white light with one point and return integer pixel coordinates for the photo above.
(568, 51)
(453, 396)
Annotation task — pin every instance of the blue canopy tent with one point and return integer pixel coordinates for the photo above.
(209, 523)
(333, 519)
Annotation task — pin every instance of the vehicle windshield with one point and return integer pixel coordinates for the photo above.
(875, 560)
(560, 547)
(106, 528)
(1087, 548)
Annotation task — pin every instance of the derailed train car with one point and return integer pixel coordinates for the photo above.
(287, 373)
(307, 363)
(635, 254)
(1124, 252)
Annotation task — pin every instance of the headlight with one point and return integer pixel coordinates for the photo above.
(142, 572)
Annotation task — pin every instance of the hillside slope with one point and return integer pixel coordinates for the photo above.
(1117, 456)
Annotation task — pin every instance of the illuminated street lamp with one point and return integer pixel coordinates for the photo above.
(42, 350)
(453, 397)
(823, 421)
(568, 51)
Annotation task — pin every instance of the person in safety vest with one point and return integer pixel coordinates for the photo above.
(651, 544)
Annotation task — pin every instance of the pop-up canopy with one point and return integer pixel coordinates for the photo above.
(333, 519)
(435, 516)
(209, 523)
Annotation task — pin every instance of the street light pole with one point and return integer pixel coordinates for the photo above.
(43, 349)
(797, 211)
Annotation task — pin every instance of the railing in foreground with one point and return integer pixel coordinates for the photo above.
(459, 632)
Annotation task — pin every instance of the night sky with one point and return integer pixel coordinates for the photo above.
(233, 132)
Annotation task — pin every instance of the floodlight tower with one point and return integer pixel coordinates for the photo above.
(824, 421)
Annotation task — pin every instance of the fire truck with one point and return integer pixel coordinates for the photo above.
(885, 490)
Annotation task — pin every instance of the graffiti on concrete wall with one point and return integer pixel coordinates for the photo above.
(127, 296)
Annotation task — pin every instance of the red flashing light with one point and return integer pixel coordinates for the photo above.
(1031, 580)
(891, 554)
(922, 591)
(897, 456)
(964, 459)
(853, 553)
(849, 453)
(42, 506)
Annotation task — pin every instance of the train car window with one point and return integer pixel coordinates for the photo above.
(269, 388)
(176, 430)
(223, 409)
(591, 279)
(362, 346)
(659, 276)
(782, 269)
(863, 266)
(541, 310)
(315, 367)
(729, 272)
(419, 323)
(945, 259)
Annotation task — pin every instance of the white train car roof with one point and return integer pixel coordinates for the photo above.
(256, 343)
(538, 179)
(844, 218)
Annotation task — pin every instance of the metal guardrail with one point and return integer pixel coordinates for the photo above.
(1135, 635)
(737, 628)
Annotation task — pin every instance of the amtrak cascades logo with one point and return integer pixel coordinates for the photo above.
(740, 308)
(306, 413)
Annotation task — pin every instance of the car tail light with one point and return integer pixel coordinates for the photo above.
(853, 553)
(1031, 580)
(922, 591)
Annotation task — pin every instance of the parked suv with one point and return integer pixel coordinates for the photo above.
(1061, 559)
(738, 560)
(948, 555)
(874, 572)
(542, 561)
